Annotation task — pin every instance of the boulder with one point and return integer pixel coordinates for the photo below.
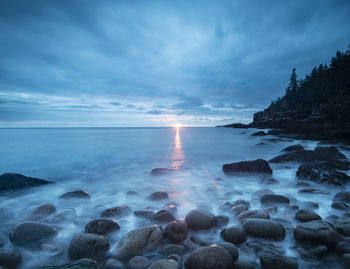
(138, 241)
(343, 247)
(138, 262)
(162, 171)
(87, 245)
(11, 181)
(162, 216)
(316, 232)
(144, 213)
(78, 194)
(253, 214)
(319, 250)
(305, 215)
(116, 212)
(244, 264)
(79, 264)
(42, 212)
(256, 166)
(176, 231)
(273, 199)
(31, 233)
(169, 249)
(66, 215)
(200, 219)
(231, 248)
(113, 264)
(259, 133)
(159, 195)
(342, 225)
(293, 148)
(101, 226)
(276, 261)
(234, 234)
(264, 228)
(165, 264)
(211, 257)
(320, 174)
(10, 259)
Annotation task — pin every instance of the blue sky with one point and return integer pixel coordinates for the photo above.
(156, 63)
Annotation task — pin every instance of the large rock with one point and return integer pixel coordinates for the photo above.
(11, 181)
(79, 264)
(211, 257)
(200, 219)
(165, 264)
(342, 225)
(306, 215)
(316, 232)
(259, 133)
(78, 194)
(169, 249)
(234, 234)
(293, 148)
(113, 264)
(259, 214)
(101, 226)
(138, 241)
(273, 199)
(10, 259)
(276, 261)
(256, 166)
(42, 212)
(116, 212)
(31, 233)
(264, 228)
(159, 195)
(87, 246)
(162, 216)
(138, 262)
(176, 231)
(231, 248)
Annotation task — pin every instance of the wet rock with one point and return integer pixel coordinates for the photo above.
(160, 195)
(319, 250)
(303, 184)
(239, 208)
(68, 215)
(10, 259)
(231, 248)
(199, 241)
(162, 216)
(259, 133)
(234, 234)
(144, 213)
(269, 181)
(138, 262)
(79, 264)
(263, 228)
(162, 171)
(307, 172)
(346, 260)
(78, 194)
(293, 148)
(11, 181)
(211, 257)
(260, 247)
(113, 264)
(165, 264)
(31, 233)
(175, 257)
(341, 200)
(343, 247)
(339, 205)
(176, 231)
(132, 193)
(172, 249)
(273, 199)
(276, 261)
(256, 166)
(101, 226)
(253, 214)
(42, 212)
(116, 212)
(138, 241)
(200, 219)
(316, 232)
(313, 191)
(342, 225)
(306, 215)
(87, 245)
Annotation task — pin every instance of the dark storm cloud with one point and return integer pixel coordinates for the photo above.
(214, 60)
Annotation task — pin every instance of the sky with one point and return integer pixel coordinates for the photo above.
(157, 63)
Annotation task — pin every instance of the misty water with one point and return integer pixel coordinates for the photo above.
(109, 162)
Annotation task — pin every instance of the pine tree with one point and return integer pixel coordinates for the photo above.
(293, 83)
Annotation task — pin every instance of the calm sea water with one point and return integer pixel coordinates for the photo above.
(108, 162)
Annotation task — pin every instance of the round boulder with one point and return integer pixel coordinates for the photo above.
(138, 262)
(162, 216)
(231, 248)
(79, 194)
(101, 226)
(30, 232)
(42, 211)
(159, 195)
(305, 215)
(276, 261)
(10, 259)
(116, 212)
(273, 199)
(176, 231)
(234, 234)
(200, 219)
(165, 264)
(211, 257)
(258, 214)
(264, 228)
(87, 245)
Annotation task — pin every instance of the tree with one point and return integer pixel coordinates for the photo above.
(293, 83)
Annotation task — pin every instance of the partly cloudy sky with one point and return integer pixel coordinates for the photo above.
(156, 63)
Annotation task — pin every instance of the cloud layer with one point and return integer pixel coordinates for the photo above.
(154, 63)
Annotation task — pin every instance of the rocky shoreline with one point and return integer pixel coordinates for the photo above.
(166, 241)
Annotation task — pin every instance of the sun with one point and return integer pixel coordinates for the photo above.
(177, 125)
